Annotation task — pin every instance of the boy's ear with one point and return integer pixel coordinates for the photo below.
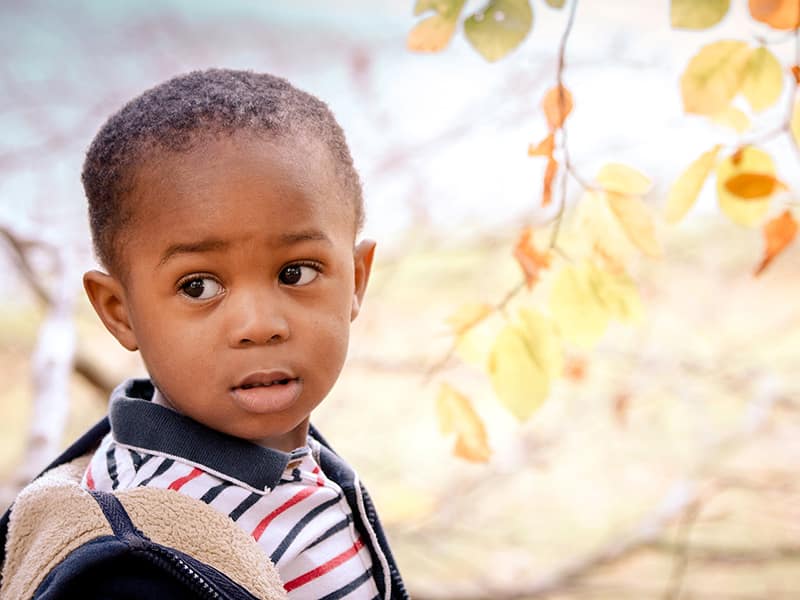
(362, 257)
(108, 299)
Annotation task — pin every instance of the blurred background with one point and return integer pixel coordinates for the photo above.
(663, 466)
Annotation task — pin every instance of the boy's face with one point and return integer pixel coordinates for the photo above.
(241, 280)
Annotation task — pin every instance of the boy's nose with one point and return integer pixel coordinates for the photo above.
(256, 320)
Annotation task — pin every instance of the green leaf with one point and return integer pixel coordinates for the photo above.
(499, 27)
(697, 14)
(556, 3)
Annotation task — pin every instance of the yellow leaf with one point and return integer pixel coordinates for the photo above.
(749, 160)
(763, 79)
(637, 222)
(734, 118)
(795, 123)
(714, 76)
(579, 315)
(468, 316)
(434, 33)
(600, 233)
(456, 415)
(780, 14)
(615, 177)
(697, 14)
(522, 361)
(431, 35)
(750, 186)
(617, 293)
(684, 192)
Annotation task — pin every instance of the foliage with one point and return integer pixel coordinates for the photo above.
(729, 82)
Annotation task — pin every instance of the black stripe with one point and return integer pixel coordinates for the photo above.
(290, 537)
(111, 465)
(162, 468)
(212, 493)
(334, 529)
(139, 460)
(346, 589)
(244, 505)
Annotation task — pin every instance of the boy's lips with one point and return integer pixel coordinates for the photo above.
(267, 391)
(264, 379)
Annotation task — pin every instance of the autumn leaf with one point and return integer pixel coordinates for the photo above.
(556, 3)
(552, 102)
(523, 360)
(623, 186)
(796, 73)
(749, 186)
(543, 148)
(499, 27)
(468, 316)
(684, 192)
(434, 33)
(584, 298)
(734, 118)
(600, 233)
(456, 415)
(714, 76)
(529, 258)
(778, 234)
(576, 310)
(750, 160)
(549, 176)
(763, 79)
(779, 14)
(697, 14)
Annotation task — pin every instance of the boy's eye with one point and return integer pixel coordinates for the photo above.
(298, 274)
(201, 288)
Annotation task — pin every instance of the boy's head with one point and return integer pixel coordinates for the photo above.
(225, 206)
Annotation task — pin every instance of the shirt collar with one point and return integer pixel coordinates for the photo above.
(139, 423)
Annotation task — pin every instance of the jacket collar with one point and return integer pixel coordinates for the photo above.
(138, 423)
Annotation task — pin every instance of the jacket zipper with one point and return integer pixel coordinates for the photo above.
(182, 571)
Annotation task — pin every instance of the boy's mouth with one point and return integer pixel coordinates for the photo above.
(264, 379)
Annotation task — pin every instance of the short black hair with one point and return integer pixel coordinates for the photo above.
(174, 114)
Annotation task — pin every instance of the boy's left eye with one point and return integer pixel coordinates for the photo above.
(298, 274)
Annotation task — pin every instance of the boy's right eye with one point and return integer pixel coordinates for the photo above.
(201, 288)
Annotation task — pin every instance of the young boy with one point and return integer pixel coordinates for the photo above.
(224, 208)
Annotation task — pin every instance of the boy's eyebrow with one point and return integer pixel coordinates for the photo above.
(211, 245)
(192, 247)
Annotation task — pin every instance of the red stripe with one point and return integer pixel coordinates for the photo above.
(89, 479)
(320, 481)
(181, 481)
(324, 567)
(301, 495)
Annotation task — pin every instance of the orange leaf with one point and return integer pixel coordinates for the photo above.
(750, 186)
(557, 104)
(796, 73)
(544, 148)
(778, 233)
(456, 415)
(529, 258)
(549, 176)
(779, 14)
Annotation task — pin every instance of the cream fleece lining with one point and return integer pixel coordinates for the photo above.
(53, 516)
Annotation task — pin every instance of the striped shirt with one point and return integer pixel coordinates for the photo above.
(303, 523)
